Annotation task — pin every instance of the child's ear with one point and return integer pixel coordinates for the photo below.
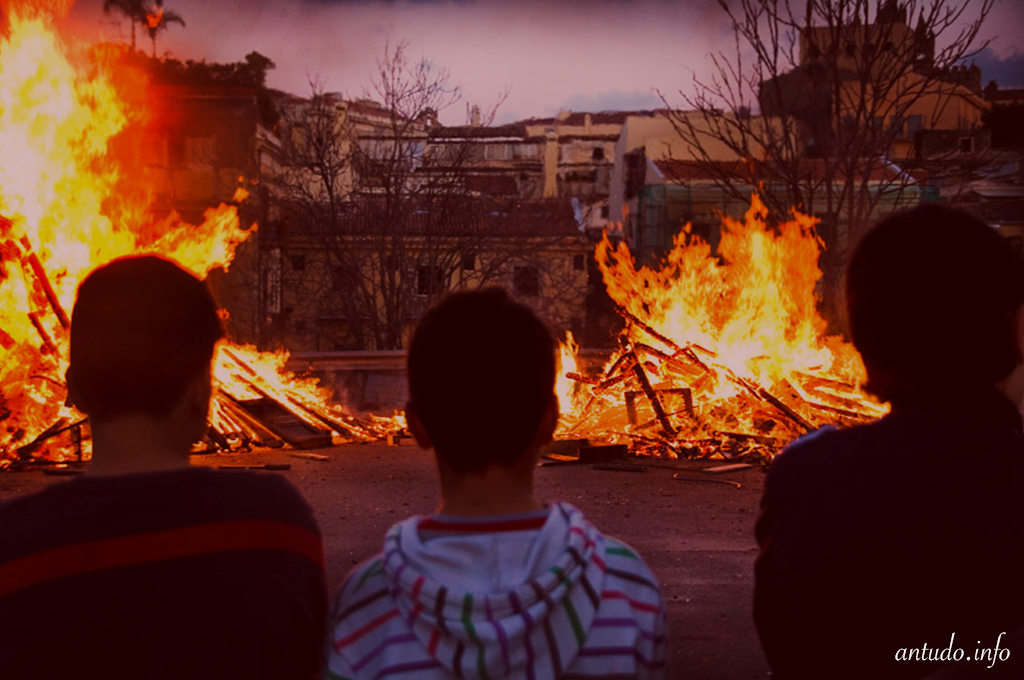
(548, 422)
(200, 393)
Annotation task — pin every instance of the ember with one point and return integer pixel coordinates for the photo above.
(64, 211)
(720, 356)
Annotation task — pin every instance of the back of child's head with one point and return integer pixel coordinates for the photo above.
(142, 329)
(931, 296)
(481, 375)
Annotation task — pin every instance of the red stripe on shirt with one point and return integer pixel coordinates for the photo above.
(634, 604)
(371, 625)
(418, 607)
(158, 546)
(587, 541)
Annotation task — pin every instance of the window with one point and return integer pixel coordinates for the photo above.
(429, 280)
(200, 150)
(298, 262)
(579, 263)
(496, 152)
(469, 262)
(605, 212)
(914, 125)
(343, 279)
(598, 154)
(526, 281)
(896, 123)
(581, 176)
(376, 149)
(414, 154)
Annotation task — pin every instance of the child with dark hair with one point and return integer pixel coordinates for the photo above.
(891, 549)
(495, 584)
(932, 295)
(146, 567)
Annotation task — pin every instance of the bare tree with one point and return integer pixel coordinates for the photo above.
(378, 218)
(845, 89)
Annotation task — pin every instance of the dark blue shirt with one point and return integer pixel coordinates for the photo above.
(893, 535)
(186, 574)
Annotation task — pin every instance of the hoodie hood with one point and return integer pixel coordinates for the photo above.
(516, 603)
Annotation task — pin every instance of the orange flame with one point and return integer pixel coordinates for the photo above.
(156, 18)
(723, 331)
(63, 214)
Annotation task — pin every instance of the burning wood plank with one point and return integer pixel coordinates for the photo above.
(286, 425)
(667, 341)
(652, 396)
(256, 429)
(30, 259)
(6, 341)
(313, 417)
(687, 395)
(770, 377)
(48, 342)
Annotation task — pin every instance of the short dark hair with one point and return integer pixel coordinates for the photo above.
(930, 295)
(481, 375)
(141, 330)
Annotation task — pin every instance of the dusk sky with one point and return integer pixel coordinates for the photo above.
(580, 55)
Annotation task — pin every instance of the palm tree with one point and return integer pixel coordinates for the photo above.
(157, 20)
(134, 10)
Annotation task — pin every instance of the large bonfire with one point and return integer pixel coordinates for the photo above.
(722, 354)
(65, 208)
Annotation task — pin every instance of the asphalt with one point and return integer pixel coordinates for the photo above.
(695, 533)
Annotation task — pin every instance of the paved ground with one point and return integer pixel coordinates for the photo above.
(696, 536)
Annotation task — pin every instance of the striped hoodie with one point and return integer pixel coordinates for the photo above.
(536, 597)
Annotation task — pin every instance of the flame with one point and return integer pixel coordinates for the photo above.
(154, 19)
(245, 373)
(728, 345)
(66, 207)
(564, 386)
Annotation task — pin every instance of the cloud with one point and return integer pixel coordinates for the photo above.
(613, 100)
(1005, 70)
